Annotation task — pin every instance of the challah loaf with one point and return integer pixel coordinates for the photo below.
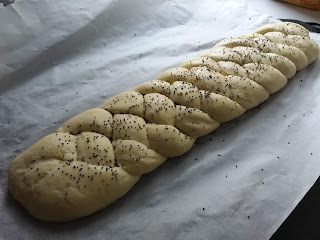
(96, 157)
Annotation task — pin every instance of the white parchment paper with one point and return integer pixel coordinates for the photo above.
(59, 58)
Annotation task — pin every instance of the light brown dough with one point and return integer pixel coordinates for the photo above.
(267, 46)
(159, 109)
(127, 102)
(168, 140)
(97, 156)
(53, 185)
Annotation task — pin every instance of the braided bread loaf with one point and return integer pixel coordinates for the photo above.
(97, 156)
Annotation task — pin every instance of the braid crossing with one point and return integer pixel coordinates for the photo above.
(97, 156)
